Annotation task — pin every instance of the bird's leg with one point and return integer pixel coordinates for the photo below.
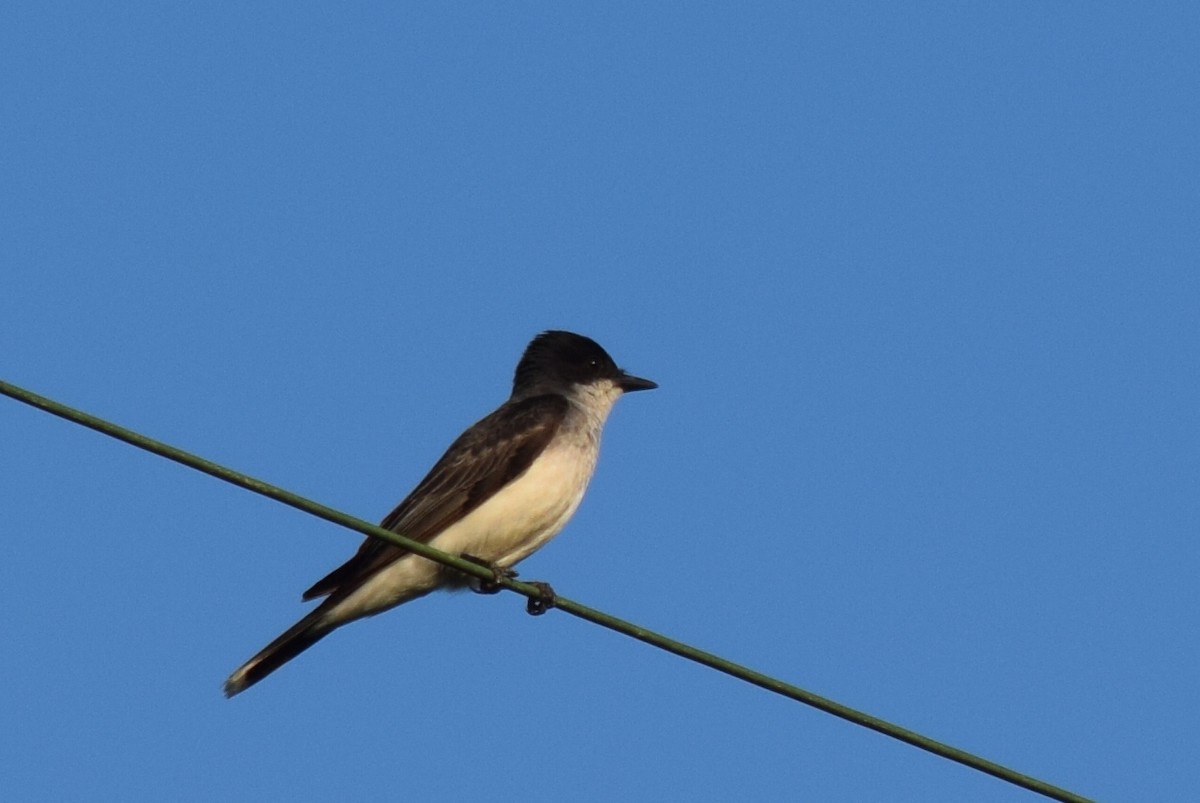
(545, 600)
(499, 574)
(535, 606)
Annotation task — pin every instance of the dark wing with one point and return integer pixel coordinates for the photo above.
(484, 459)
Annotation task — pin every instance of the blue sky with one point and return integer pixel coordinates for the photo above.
(919, 285)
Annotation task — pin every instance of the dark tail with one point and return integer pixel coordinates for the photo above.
(298, 638)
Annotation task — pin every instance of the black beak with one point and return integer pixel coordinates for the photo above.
(629, 383)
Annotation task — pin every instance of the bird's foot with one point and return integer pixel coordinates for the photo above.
(545, 600)
(499, 574)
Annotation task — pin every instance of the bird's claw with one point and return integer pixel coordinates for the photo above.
(499, 575)
(535, 606)
(545, 600)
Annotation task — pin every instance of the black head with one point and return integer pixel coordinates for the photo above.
(559, 358)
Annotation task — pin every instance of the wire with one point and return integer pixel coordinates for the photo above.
(533, 592)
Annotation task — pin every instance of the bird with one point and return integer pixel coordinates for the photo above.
(502, 490)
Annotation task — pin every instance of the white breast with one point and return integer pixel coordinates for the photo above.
(527, 512)
(504, 530)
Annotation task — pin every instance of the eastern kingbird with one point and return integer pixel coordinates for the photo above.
(501, 491)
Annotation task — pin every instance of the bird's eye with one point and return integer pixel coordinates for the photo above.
(593, 363)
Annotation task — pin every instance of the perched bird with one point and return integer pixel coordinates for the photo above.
(501, 491)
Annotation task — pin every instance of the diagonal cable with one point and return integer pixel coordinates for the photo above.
(533, 592)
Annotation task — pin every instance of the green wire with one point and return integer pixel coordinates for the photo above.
(560, 603)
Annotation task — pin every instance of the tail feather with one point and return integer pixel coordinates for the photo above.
(295, 640)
